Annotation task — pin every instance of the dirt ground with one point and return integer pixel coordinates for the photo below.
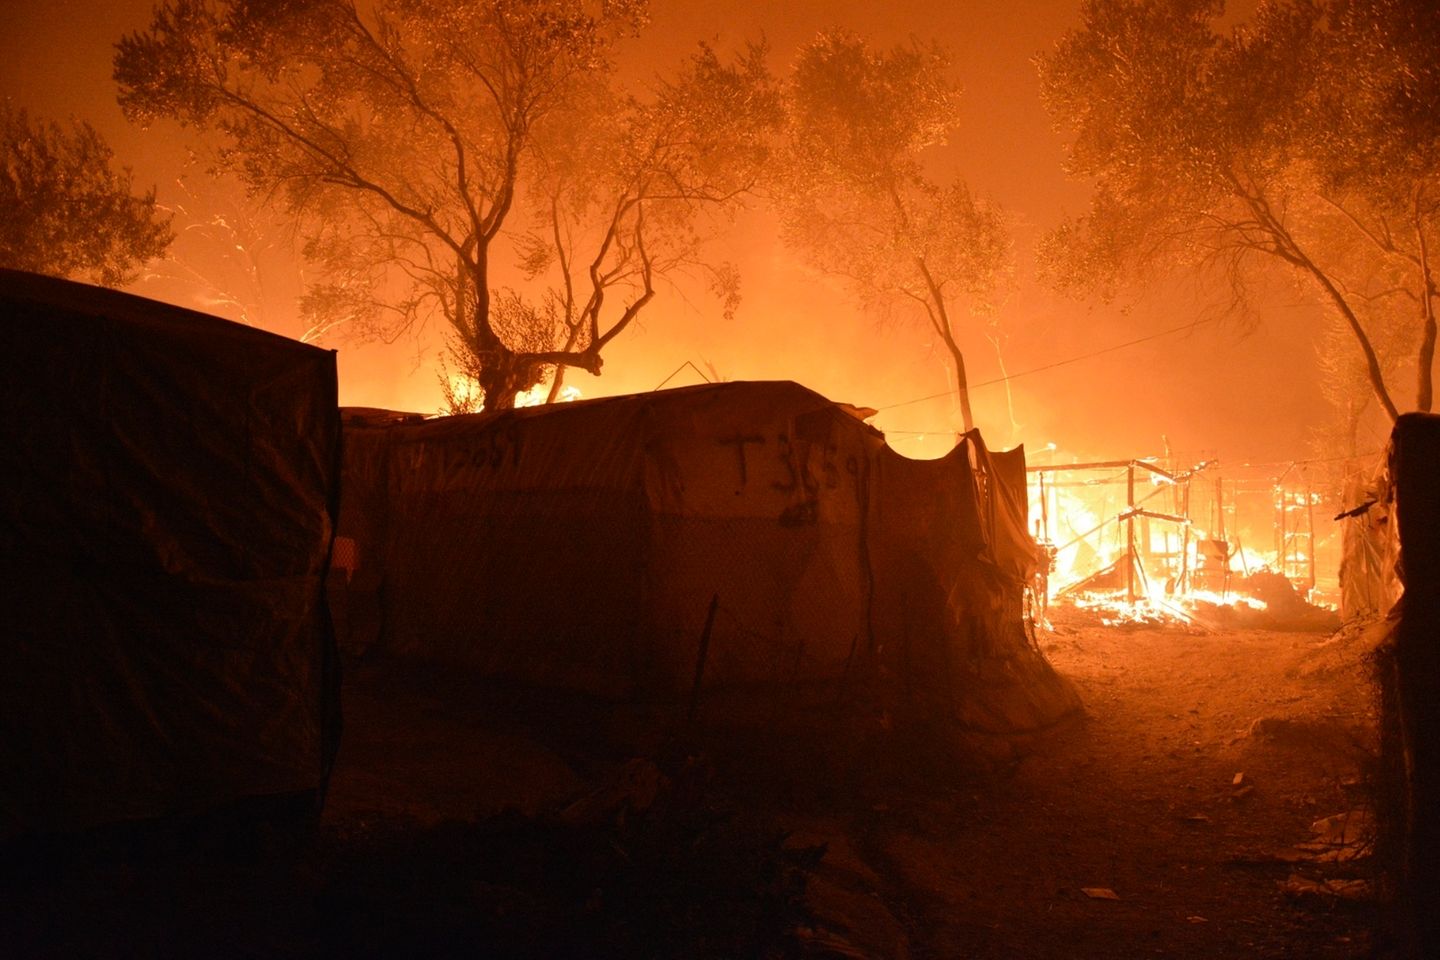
(480, 822)
(1139, 801)
(1204, 759)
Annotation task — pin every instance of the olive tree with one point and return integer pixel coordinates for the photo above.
(1306, 140)
(405, 137)
(65, 210)
(856, 199)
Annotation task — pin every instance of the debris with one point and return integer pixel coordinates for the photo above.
(1238, 779)
(1338, 839)
(1197, 818)
(1243, 792)
(1100, 893)
(1342, 829)
(1197, 919)
(1298, 886)
(828, 943)
(633, 788)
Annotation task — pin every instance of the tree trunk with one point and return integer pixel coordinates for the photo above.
(1425, 356)
(556, 383)
(962, 384)
(1372, 363)
(940, 319)
(503, 374)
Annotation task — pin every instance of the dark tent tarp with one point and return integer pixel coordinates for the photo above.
(1409, 671)
(170, 481)
(580, 546)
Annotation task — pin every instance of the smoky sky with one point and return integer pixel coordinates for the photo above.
(1224, 388)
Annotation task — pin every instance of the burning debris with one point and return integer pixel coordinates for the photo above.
(1142, 542)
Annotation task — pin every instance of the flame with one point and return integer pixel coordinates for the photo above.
(1175, 574)
(466, 392)
(470, 399)
(538, 394)
(1153, 605)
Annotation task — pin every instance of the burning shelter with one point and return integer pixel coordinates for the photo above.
(170, 484)
(736, 535)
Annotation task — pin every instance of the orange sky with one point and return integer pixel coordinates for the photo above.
(1214, 390)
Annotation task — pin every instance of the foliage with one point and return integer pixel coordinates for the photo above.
(67, 212)
(1304, 139)
(857, 201)
(626, 190)
(411, 137)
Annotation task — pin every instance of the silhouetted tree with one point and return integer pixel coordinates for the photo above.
(857, 202)
(65, 211)
(1307, 138)
(409, 136)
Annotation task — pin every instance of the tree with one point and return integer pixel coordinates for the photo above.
(622, 191)
(1305, 139)
(65, 211)
(411, 138)
(857, 202)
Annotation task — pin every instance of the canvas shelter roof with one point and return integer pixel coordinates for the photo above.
(582, 545)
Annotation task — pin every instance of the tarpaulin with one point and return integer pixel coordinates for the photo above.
(582, 545)
(167, 512)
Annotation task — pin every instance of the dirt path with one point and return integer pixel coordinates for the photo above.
(1139, 800)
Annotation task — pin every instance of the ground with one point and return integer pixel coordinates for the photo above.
(1140, 800)
(471, 821)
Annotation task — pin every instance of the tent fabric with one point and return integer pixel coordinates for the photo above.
(1409, 671)
(171, 483)
(581, 546)
(1368, 547)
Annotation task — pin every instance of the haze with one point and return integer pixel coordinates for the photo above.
(1197, 393)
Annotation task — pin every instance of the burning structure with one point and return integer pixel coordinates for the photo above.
(735, 536)
(1143, 536)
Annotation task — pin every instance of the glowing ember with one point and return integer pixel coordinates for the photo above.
(538, 394)
(1113, 608)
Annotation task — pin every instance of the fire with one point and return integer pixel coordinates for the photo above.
(466, 394)
(1113, 607)
(1142, 540)
(468, 398)
(538, 394)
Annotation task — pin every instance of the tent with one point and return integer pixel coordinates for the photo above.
(1408, 668)
(170, 487)
(752, 534)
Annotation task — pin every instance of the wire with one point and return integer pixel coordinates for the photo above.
(1301, 463)
(676, 373)
(1058, 363)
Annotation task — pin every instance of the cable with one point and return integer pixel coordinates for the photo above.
(1058, 363)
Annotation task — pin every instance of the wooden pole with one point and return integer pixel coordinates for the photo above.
(700, 656)
(1220, 508)
(1310, 522)
(1130, 532)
